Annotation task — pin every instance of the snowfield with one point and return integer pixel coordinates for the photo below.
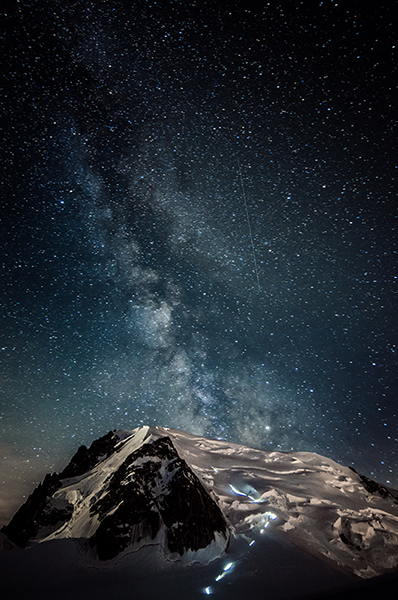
(319, 504)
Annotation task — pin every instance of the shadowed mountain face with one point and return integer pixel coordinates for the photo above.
(154, 489)
(36, 513)
(86, 459)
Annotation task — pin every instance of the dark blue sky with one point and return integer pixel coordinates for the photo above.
(128, 286)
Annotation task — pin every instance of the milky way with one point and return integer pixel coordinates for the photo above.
(198, 228)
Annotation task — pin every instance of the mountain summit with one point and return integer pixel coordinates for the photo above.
(195, 500)
(125, 491)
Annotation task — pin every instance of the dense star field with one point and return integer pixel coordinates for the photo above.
(198, 228)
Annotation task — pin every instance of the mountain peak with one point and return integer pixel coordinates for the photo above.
(155, 493)
(127, 489)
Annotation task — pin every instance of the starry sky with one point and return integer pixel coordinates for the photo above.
(198, 228)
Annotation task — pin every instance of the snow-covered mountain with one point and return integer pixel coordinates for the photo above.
(194, 500)
(127, 490)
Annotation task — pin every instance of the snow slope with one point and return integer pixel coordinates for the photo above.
(319, 504)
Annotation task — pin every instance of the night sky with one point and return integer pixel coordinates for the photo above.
(198, 228)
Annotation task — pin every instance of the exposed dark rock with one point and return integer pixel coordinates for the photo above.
(155, 487)
(349, 541)
(32, 515)
(374, 488)
(86, 459)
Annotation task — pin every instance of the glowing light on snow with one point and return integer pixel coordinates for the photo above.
(237, 492)
(272, 516)
(267, 518)
(252, 542)
(208, 591)
(227, 568)
(255, 500)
